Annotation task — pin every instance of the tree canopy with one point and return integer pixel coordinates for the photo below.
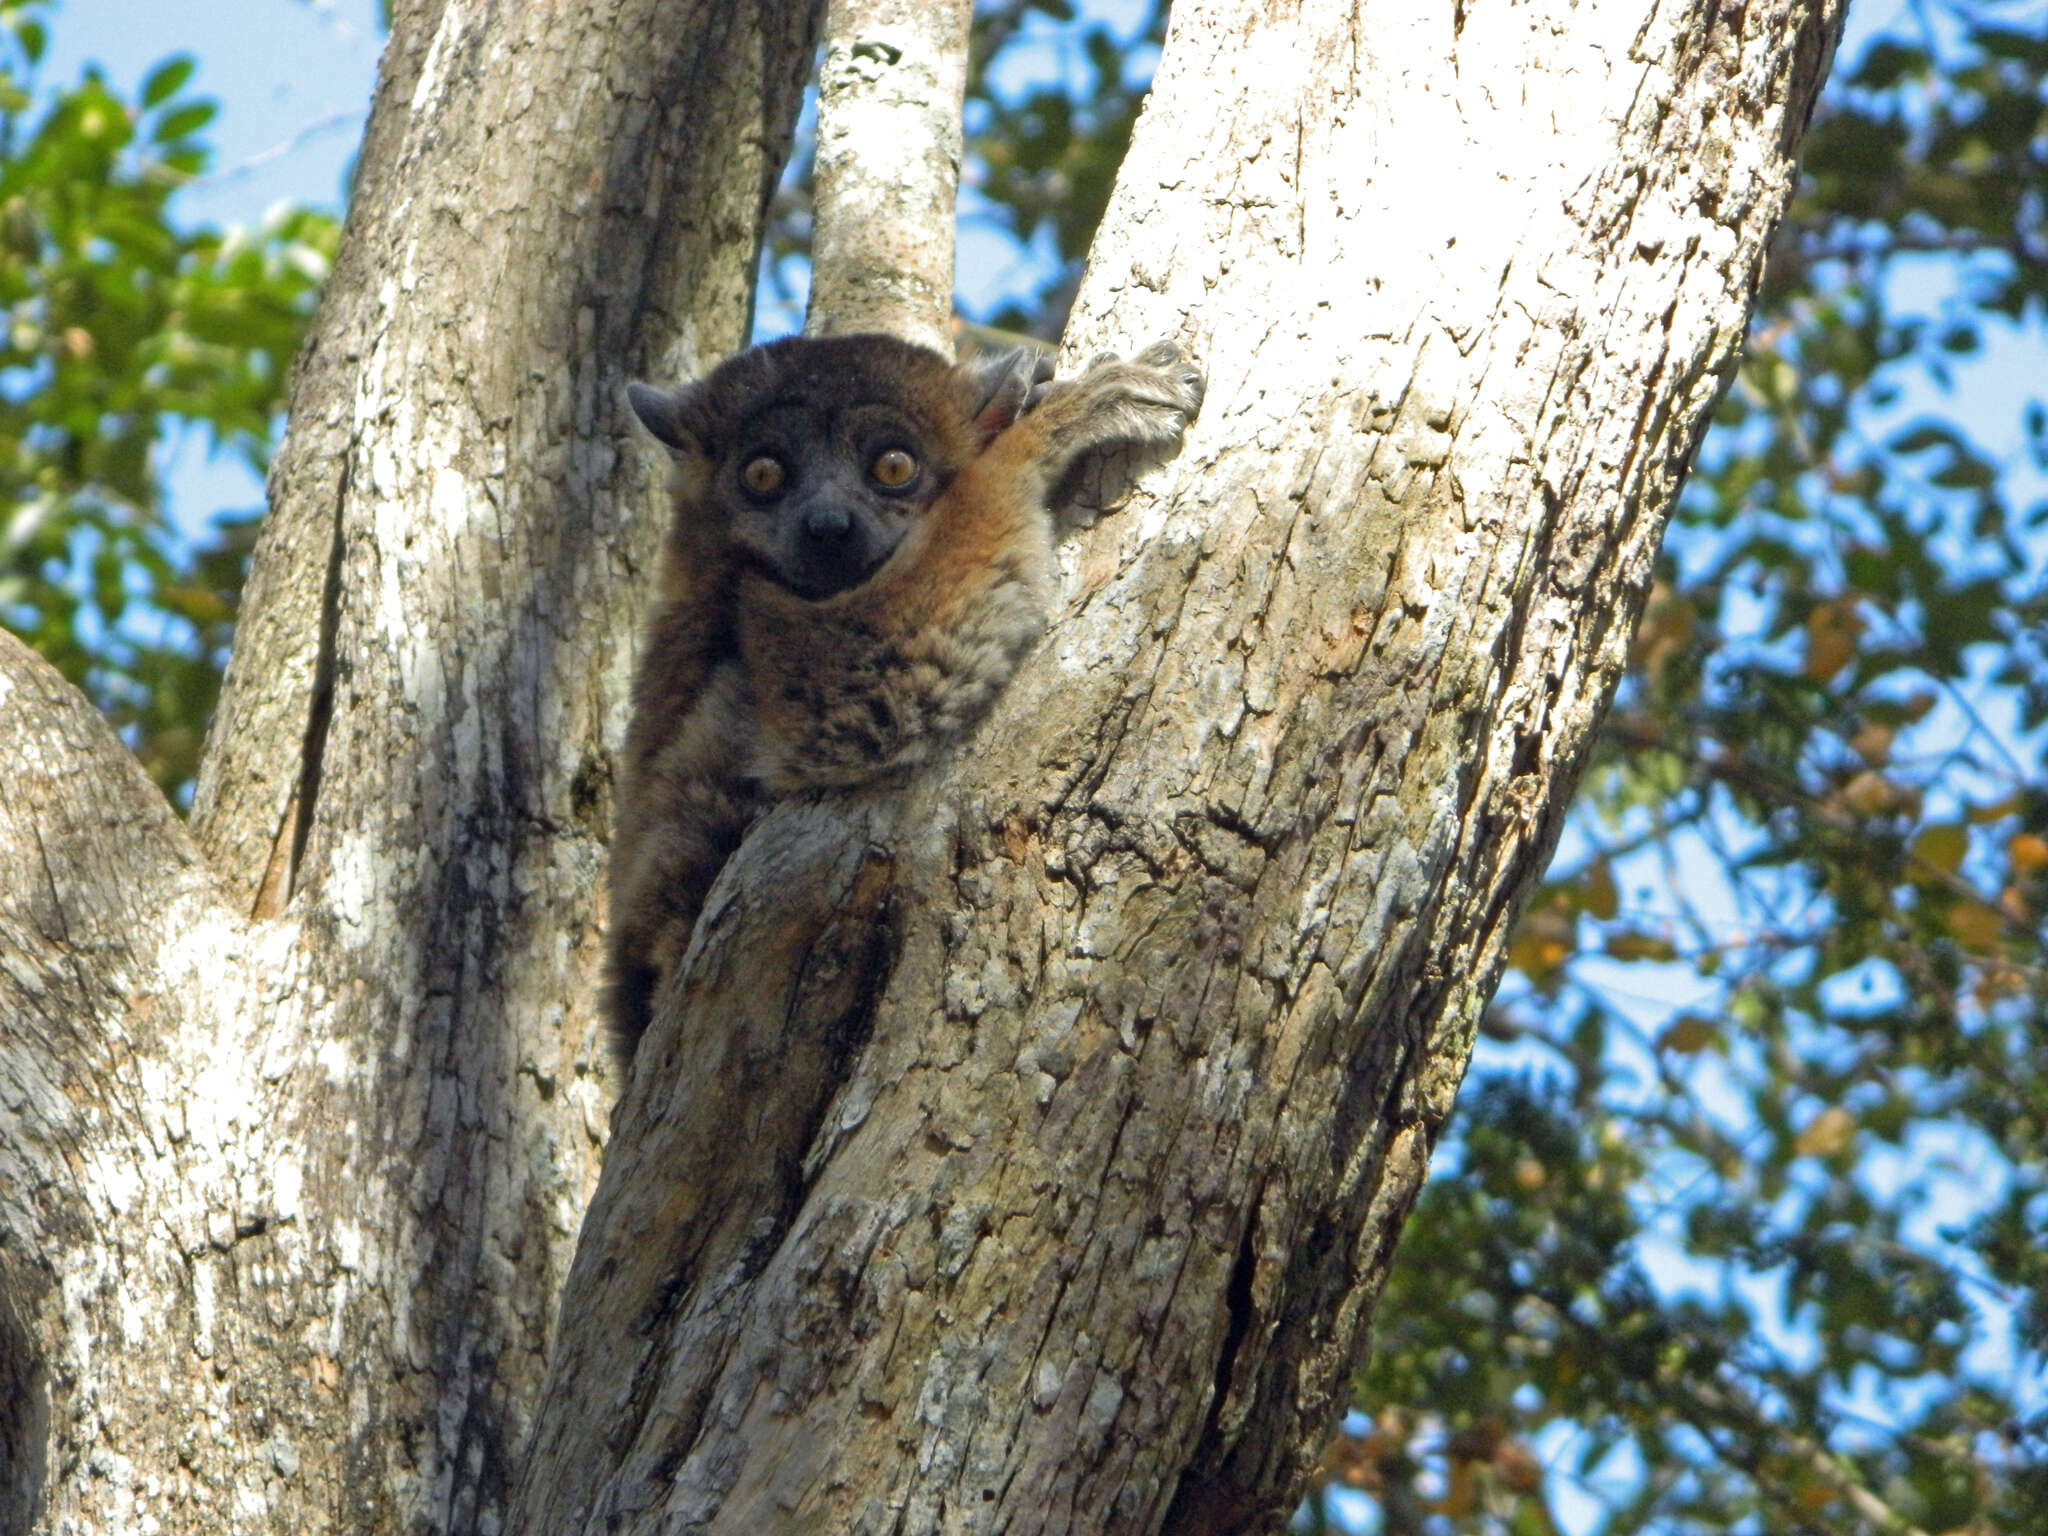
(1741, 1222)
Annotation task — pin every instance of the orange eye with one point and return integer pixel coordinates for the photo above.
(893, 468)
(763, 476)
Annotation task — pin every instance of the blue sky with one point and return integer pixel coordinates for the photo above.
(293, 78)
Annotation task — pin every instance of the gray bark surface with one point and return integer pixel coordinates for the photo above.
(1024, 1146)
(286, 1199)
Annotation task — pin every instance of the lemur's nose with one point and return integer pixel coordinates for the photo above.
(827, 521)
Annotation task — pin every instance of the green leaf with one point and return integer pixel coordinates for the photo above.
(1886, 63)
(167, 79)
(33, 37)
(1631, 946)
(1925, 435)
(184, 122)
(1942, 846)
(1965, 472)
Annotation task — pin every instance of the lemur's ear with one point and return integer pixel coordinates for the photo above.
(666, 413)
(996, 388)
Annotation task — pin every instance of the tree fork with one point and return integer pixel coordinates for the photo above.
(1082, 1228)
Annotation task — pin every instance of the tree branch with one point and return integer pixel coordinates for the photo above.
(101, 881)
(888, 166)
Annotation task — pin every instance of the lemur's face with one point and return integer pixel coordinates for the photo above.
(818, 455)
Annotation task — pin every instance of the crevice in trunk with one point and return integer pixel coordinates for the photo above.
(24, 1420)
(1207, 1503)
(281, 875)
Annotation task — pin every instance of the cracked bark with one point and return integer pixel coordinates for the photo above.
(1026, 1143)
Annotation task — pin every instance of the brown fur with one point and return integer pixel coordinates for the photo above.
(778, 661)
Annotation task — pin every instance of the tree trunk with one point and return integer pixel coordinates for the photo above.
(298, 1111)
(1027, 1146)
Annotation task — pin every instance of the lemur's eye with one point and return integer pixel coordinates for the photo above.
(763, 475)
(893, 469)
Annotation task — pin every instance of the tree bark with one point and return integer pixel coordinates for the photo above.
(298, 1110)
(1023, 1148)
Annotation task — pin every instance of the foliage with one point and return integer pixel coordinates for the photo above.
(1044, 147)
(119, 327)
